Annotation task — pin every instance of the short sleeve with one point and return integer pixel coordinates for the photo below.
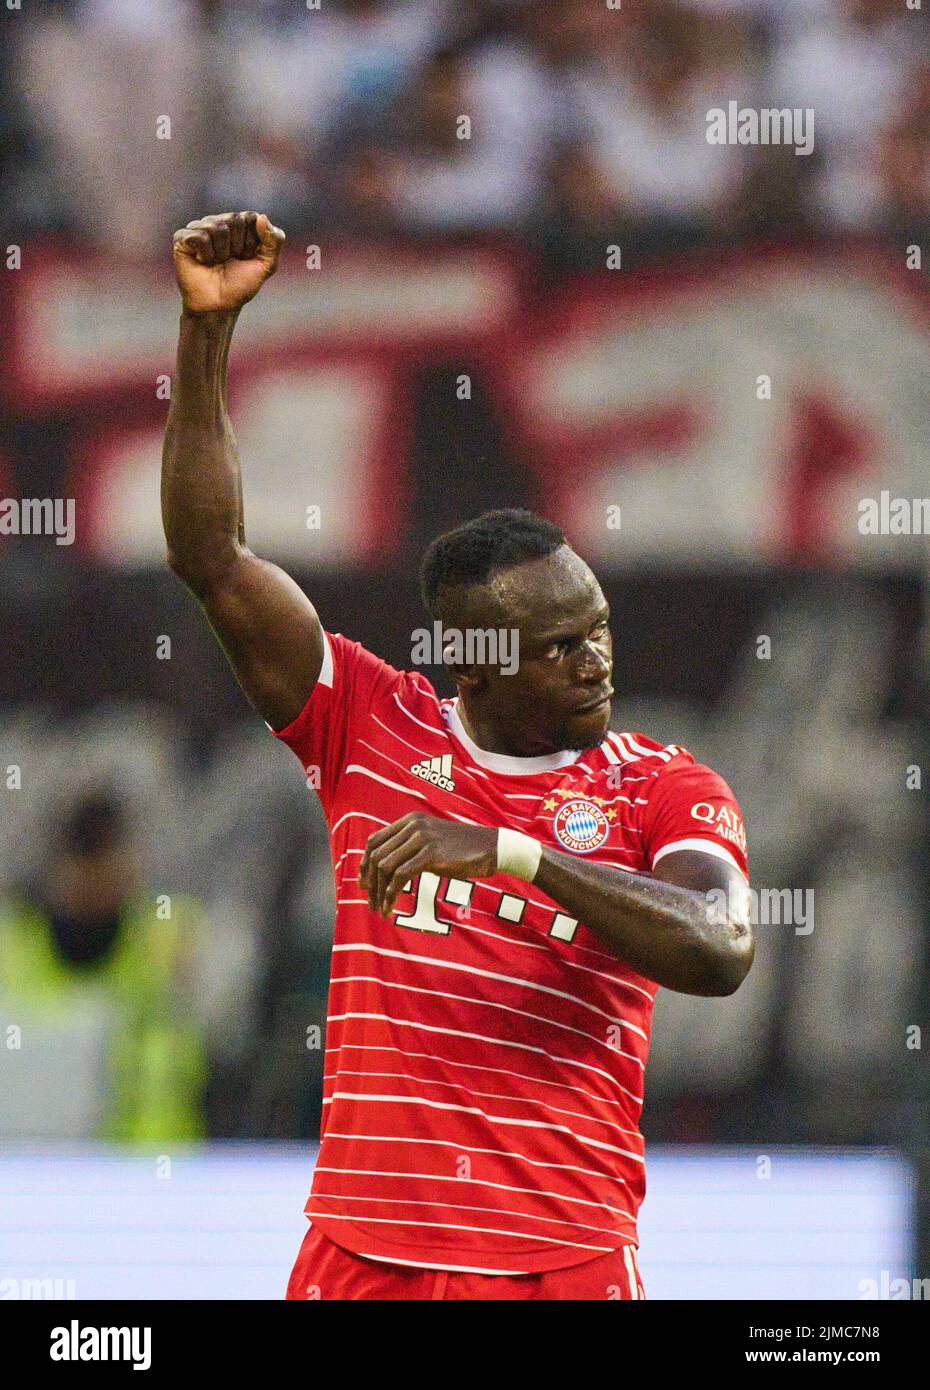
(352, 682)
(691, 807)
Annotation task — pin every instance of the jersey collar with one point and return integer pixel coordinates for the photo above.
(503, 762)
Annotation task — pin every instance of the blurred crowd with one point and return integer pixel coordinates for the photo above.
(586, 123)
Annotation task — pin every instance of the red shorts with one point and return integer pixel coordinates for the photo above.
(324, 1270)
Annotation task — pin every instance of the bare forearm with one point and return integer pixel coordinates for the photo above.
(201, 488)
(666, 932)
(671, 930)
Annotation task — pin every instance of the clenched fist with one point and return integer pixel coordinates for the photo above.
(419, 843)
(222, 262)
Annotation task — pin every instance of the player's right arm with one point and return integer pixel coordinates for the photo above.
(263, 620)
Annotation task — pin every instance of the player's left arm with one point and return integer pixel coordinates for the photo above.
(686, 926)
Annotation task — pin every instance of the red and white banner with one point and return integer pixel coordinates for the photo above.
(736, 414)
(739, 413)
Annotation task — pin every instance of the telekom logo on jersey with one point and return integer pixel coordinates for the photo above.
(725, 821)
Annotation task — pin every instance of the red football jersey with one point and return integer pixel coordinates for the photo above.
(484, 1052)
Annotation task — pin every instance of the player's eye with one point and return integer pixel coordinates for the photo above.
(557, 649)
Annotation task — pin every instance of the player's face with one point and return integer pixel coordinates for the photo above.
(559, 696)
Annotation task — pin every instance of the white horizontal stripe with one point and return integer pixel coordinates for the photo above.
(626, 754)
(539, 1124)
(376, 777)
(446, 794)
(432, 728)
(486, 1095)
(638, 748)
(476, 1110)
(408, 791)
(517, 940)
(469, 1066)
(509, 1154)
(480, 1037)
(460, 1206)
(476, 1182)
(514, 940)
(703, 846)
(414, 748)
(487, 1004)
(453, 1269)
(472, 772)
(492, 975)
(450, 1226)
(602, 975)
(360, 815)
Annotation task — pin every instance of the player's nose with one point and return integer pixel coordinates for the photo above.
(595, 665)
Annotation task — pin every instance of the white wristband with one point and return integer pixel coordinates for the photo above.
(518, 854)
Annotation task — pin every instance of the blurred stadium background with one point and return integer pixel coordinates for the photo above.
(574, 309)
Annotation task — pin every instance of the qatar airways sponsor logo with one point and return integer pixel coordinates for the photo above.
(724, 821)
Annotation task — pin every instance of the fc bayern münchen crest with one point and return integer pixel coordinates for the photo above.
(580, 826)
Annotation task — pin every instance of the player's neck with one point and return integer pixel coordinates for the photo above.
(491, 739)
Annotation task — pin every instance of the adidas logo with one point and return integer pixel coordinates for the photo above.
(436, 770)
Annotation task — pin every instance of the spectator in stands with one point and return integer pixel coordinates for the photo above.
(101, 982)
(904, 164)
(854, 65)
(586, 123)
(301, 83)
(33, 200)
(100, 80)
(646, 107)
(464, 148)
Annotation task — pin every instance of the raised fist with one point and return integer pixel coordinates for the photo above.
(222, 262)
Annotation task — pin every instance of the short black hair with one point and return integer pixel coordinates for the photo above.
(471, 553)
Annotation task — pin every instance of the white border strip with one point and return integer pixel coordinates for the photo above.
(703, 846)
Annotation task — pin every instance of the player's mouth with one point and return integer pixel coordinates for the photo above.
(596, 702)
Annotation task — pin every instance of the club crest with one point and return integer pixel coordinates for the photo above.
(580, 826)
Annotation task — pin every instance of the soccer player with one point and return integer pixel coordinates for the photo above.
(514, 881)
